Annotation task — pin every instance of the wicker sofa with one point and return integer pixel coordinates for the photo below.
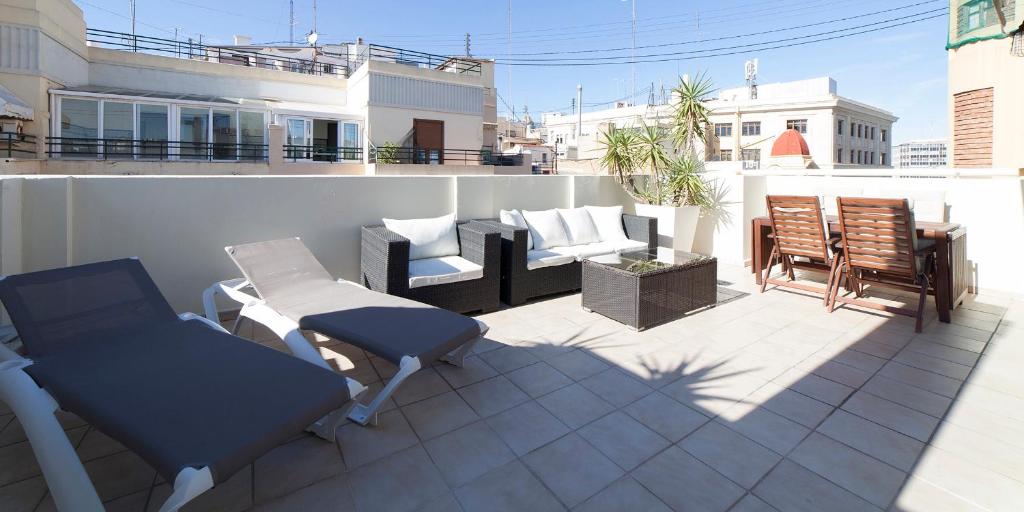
(385, 267)
(519, 283)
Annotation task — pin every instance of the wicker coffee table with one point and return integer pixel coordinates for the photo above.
(645, 288)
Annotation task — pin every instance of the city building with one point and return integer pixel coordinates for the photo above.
(840, 132)
(99, 102)
(986, 76)
(920, 154)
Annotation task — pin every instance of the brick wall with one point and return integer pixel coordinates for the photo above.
(972, 128)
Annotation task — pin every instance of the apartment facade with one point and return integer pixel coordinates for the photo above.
(103, 103)
(986, 76)
(840, 132)
(920, 154)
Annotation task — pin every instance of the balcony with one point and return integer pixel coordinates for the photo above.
(157, 150)
(444, 156)
(17, 145)
(765, 400)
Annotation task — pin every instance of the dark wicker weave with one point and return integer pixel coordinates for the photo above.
(518, 284)
(385, 268)
(645, 299)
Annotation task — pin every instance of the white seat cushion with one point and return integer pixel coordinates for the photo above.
(629, 245)
(546, 258)
(608, 221)
(428, 238)
(579, 226)
(582, 252)
(446, 269)
(515, 218)
(547, 229)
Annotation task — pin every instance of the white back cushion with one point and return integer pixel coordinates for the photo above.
(428, 238)
(608, 221)
(546, 228)
(579, 226)
(515, 218)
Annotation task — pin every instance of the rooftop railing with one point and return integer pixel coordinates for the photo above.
(417, 59)
(445, 156)
(323, 153)
(17, 145)
(128, 149)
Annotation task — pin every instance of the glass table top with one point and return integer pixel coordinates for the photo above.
(648, 260)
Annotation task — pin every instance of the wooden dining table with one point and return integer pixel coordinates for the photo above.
(952, 272)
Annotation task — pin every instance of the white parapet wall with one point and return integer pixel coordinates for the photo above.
(179, 225)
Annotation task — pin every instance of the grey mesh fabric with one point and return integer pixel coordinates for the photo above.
(290, 279)
(177, 393)
(55, 309)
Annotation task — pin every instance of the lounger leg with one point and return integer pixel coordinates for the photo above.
(65, 476)
(189, 483)
(457, 357)
(363, 414)
(210, 303)
(287, 330)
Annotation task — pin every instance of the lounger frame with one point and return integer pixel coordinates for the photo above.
(65, 475)
(288, 330)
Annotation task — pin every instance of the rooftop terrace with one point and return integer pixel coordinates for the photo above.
(763, 402)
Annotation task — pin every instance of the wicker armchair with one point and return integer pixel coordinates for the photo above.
(384, 265)
(519, 284)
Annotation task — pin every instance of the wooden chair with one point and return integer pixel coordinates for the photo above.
(880, 247)
(799, 231)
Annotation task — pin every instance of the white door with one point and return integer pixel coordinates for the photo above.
(299, 138)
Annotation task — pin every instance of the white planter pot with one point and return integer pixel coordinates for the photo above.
(677, 225)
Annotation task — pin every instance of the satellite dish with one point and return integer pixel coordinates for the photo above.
(311, 38)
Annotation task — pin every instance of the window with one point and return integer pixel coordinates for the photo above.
(884, 133)
(79, 126)
(251, 135)
(860, 131)
(840, 130)
(978, 14)
(723, 129)
(117, 129)
(851, 156)
(751, 128)
(883, 159)
(872, 133)
(839, 156)
(152, 135)
(799, 125)
(224, 135)
(725, 155)
(193, 133)
(872, 159)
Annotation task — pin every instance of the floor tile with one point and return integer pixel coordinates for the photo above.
(472, 371)
(492, 396)
(932, 364)
(790, 404)
(419, 386)
(527, 427)
(751, 503)
(818, 388)
(444, 503)
(919, 495)
(764, 427)
(331, 494)
(295, 465)
(933, 382)
(575, 405)
(970, 482)
(615, 387)
(572, 469)
(538, 379)
(578, 364)
(738, 458)
(882, 443)
(509, 358)
(914, 397)
(509, 488)
(890, 414)
(624, 494)
(978, 448)
(467, 453)
(685, 483)
(623, 439)
(398, 482)
(945, 352)
(361, 445)
(22, 496)
(665, 416)
(860, 474)
(439, 415)
(235, 495)
(17, 462)
(792, 488)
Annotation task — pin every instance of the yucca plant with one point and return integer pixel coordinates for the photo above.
(620, 158)
(684, 183)
(650, 155)
(690, 113)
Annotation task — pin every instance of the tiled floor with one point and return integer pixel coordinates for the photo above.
(765, 402)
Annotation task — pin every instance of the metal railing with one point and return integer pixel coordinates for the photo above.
(446, 156)
(128, 149)
(417, 59)
(17, 145)
(198, 51)
(319, 153)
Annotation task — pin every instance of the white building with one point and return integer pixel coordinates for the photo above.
(923, 153)
(109, 103)
(839, 131)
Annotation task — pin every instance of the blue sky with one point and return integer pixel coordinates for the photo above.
(902, 69)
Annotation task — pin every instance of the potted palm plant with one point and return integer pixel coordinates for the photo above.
(665, 182)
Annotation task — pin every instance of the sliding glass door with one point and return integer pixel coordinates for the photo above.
(299, 138)
(193, 132)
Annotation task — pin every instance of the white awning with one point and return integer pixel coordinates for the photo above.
(315, 110)
(12, 106)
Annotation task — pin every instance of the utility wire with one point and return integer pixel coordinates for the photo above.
(648, 58)
(571, 64)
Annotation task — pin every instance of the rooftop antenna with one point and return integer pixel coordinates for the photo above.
(135, 42)
(467, 45)
(508, 49)
(313, 36)
(291, 22)
(632, 56)
(750, 70)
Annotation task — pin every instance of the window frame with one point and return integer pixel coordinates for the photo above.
(755, 132)
(800, 125)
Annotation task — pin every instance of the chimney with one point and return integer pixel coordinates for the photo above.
(243, 40)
